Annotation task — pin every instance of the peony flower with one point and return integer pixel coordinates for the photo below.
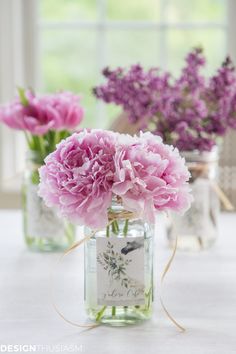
(38, 115)
(150, 176)
(88, 168)
(78, 177)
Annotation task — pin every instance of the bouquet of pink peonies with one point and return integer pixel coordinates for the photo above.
(87, 169)
(113, 184)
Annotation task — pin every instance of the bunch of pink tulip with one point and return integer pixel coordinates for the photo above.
(45, 120)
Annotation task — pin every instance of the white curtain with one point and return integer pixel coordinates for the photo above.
(17, 68)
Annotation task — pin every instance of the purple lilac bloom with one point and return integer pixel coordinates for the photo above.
(190, 112)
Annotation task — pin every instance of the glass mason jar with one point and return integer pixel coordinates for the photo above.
(118, 287)
(43, 229)
(198, 228)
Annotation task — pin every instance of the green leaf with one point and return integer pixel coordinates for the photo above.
(23, 99)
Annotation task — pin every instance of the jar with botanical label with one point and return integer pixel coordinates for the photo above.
(119, 270)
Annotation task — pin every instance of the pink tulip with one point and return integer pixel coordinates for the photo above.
(60, 111)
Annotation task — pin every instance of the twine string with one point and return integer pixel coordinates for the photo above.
(165, 271)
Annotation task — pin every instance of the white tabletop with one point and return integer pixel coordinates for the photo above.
(200, 291)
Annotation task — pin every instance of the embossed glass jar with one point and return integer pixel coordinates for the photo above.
(119, 270)
(198, 228)
(44, 230)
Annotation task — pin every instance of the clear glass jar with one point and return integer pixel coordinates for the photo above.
(119, 272)
(198, 228)
(43, 229)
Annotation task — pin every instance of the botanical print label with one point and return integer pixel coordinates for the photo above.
(120, 271)
(41, 220)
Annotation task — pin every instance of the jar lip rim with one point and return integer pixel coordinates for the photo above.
(201, 156)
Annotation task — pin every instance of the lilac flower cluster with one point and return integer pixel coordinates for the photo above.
(190, 112)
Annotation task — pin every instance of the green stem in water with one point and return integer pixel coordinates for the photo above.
(42, 146)
(113, 311)
(57, 138)
(108, 231)
(100, 313)
(35, 177)
(49, 141)
(115, 227)
(126, 226)
(28, 140)
(39, 147)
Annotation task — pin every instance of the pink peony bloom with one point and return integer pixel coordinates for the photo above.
(78, 177)
(89, 167)
(49, 112)
(150, 176)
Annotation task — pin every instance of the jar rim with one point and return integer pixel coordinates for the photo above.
(201, 156)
